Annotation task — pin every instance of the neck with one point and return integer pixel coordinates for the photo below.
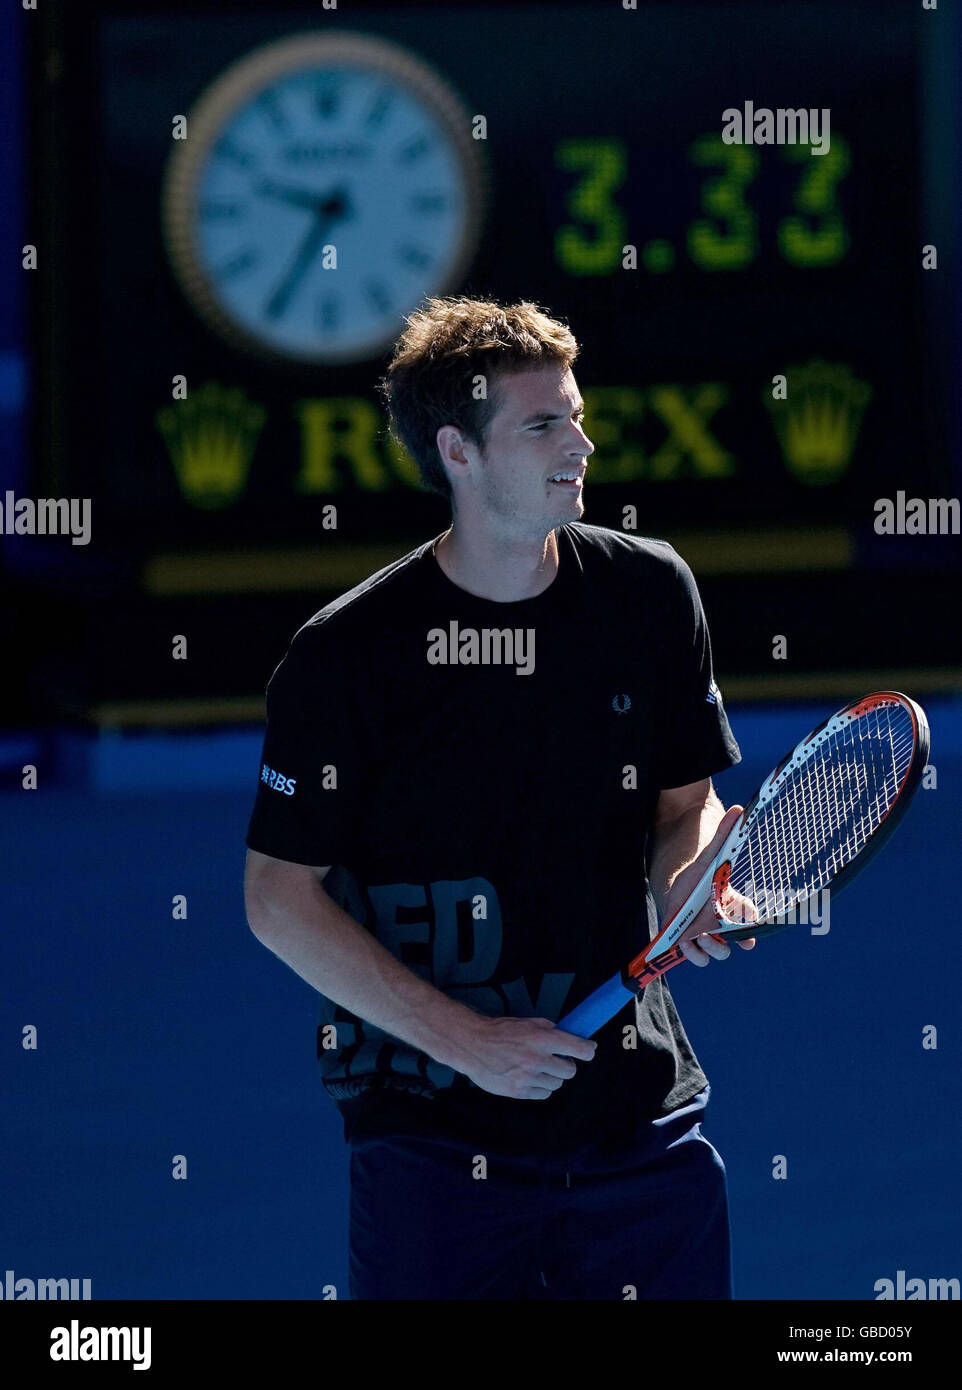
(496, 568)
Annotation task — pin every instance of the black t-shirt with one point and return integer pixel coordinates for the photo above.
(482, 776)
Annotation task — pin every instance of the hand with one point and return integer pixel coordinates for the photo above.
(329, 209)
(523, 1058)
(297, 197)
(697, 944)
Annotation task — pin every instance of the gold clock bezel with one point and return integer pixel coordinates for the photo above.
(233, 88)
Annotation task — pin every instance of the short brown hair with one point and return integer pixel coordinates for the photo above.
(429, 381)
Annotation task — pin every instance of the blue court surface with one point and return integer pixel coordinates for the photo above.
(159, 1037)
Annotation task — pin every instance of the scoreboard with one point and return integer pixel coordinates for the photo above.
(208, 367)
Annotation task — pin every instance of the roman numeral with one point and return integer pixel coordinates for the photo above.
(415, 149)
(244, 260)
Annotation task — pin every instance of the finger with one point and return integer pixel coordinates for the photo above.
(559, 1066)
(536, 1093)
(544, 1081)
(570, 1045)
(693, 953)
(738, 908)
(717, 950)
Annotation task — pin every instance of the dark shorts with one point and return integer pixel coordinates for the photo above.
(650, 1222)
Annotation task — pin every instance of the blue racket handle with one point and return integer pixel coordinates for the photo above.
(597, 1009)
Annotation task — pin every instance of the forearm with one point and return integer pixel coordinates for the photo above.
(674, 844)
(308, 931)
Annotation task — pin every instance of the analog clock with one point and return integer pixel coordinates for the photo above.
(326, 185)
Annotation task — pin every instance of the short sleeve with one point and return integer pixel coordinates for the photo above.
(306, 808)
(696, 740)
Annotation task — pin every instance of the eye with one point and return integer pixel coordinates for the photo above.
(579, 416)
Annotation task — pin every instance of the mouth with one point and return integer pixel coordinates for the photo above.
(572, 480)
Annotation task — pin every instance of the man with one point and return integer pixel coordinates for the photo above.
(464, 758)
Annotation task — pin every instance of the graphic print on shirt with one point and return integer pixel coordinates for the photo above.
(449, 933)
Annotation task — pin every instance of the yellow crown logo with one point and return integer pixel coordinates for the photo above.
(211, 437)
(818, 424)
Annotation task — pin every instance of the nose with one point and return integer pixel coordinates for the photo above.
(583, 440)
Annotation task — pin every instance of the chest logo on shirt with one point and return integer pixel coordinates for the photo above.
(621, 704)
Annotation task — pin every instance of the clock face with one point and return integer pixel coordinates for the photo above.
(326, 185)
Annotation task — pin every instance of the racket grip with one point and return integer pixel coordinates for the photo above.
(611, 997)
(598, 1008)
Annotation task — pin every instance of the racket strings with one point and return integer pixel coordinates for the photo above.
(824, 813)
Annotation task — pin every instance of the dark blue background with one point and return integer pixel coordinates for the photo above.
(160, 1037)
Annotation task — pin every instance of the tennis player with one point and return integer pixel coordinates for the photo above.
(486, 776)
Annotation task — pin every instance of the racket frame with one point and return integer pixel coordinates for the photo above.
(711, 886)
(665, 950)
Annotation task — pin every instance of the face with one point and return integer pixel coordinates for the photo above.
(535, 436)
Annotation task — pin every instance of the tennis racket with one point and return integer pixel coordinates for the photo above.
(817, 819)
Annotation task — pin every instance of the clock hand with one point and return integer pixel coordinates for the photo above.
(332, 202)
(308, 249)
(329, 209)
(299, 197)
